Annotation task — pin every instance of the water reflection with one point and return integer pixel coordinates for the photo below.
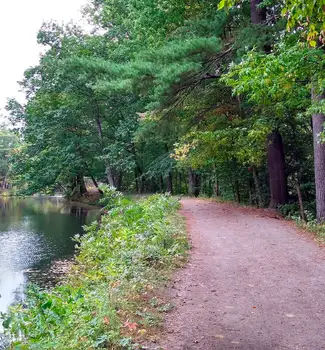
(34, 232)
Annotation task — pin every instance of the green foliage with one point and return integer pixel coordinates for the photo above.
(70, 128)
(278, 81)
(162, 88)
(309, 15)
(8, 142)
(100, 306)
(111, 197)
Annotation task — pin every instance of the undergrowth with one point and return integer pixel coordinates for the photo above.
(107, 301)
(291, 211)
(318, 230)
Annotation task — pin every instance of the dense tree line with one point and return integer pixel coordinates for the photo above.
(182, 96)
(8, 142)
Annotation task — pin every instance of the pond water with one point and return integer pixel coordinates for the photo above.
(34, 234)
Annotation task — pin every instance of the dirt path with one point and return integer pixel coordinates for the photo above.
(253, 282)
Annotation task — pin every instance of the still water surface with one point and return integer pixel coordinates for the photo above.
(35, 232)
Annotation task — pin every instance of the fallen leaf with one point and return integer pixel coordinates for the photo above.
(106, 320)
(132, 326)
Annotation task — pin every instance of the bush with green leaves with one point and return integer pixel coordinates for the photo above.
(111, 197)
(100, 306)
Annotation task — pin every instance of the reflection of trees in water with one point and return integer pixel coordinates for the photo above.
(81, 213)
(53, 220)
(17, 207)
(6, 205)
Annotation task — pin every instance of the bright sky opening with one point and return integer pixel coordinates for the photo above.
(19, 23)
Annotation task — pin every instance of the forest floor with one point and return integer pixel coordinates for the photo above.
(253, 281)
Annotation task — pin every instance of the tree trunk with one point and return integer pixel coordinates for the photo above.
(217, 188)
(301, 203)
(118, 177)
(276, 168)
(169, 181)
(161, 184)
(78, 187)
(82, 185)
(257, 188)
(179, 189)
(237, 189)
(258, 15)
(96, 184)
(275, 152)
(137, 188)
(109, 171)
(193, 183)
(250, 193)
(99, 129)
(142, 184)
(114, 178)
(110, 176)
(138, 178)
(176, 181)
(319, 159)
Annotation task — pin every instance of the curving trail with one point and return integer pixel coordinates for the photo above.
(253, 282)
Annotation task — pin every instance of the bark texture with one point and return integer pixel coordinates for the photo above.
(275, 152)
(193, 183)
(276, 168)
(319, 160)
(259, 197)
(78, 187)
(114, 178)
(96, 184)
(258, 15)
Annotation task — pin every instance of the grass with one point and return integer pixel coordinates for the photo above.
(109, 299)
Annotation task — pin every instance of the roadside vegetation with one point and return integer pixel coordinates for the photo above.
(315, 228)
(108, 300)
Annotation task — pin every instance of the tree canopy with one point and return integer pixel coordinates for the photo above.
(180, 96)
